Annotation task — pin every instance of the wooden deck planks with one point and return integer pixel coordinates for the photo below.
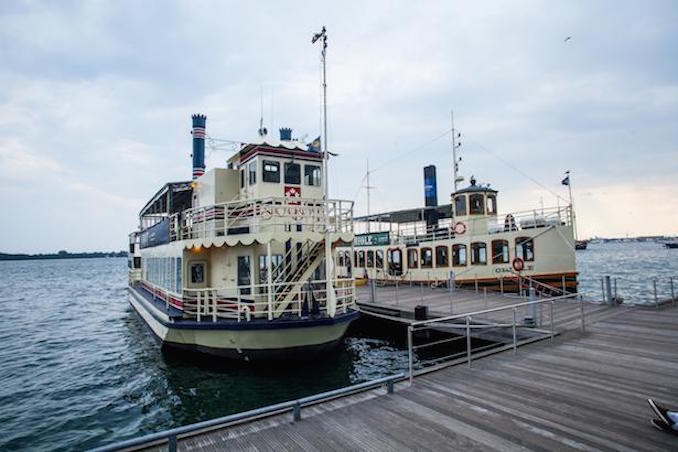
(584, 392)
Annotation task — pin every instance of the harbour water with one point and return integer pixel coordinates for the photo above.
(79, 369)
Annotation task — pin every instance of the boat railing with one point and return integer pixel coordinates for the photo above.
(248, 302)
(273, 214)
(447, 229)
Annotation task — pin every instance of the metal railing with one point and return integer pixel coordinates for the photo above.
(245, 303)
(466, 325)
(170, 437)
(646, 291)
(273, 214)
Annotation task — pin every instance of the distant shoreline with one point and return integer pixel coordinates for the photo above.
(60, 255)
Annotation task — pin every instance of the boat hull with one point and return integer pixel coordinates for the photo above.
(247, 341)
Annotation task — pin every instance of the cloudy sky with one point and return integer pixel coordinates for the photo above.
(96, 101)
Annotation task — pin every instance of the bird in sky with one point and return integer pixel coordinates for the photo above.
(567, 39)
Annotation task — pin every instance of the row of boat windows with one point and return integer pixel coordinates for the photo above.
(164, 272)
(428, 257)
(271, 173)
(478, 204)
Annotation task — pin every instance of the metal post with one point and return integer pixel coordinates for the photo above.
(562, 281)
(389, 387)
(297, 411)
(532, 308)
(581, 309)
(421, 291)
(409, 351)
(476, 283)
(501, 284)
(673, 296)
(608, 290)
(515, 343)
(602, 288)
(269, 280)
(656, 300)
(468, 340)
(373, 291)
(552, 326)
(172, 443)
(616, 299)
(396, 293)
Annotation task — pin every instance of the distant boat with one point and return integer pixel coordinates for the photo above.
(673, 244)
(581, 244)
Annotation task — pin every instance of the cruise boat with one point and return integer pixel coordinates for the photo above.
(466, 242)
(233, 262)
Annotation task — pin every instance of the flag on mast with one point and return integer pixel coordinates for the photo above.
(314, 146)
(566, 181)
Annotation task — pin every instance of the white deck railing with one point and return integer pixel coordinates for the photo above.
(275, 214)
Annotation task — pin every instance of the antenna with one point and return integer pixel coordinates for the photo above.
(262, 129)
(455, 145)
(367, 188)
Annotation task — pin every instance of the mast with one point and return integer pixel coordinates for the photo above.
(569, 190)
(329, 290)
(455, 162)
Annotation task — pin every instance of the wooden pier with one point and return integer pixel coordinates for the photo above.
(585, 391)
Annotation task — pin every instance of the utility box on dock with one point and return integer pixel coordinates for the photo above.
(420, 312)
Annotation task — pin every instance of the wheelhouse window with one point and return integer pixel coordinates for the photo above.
(412, 258)
(379, 258)
(312, 175)
(477, 204)
(525, 248)
(361, 259)
(426, 258)
(500, 252)
(370, 259)
(271, 172)
(491, 204)
(478, 253)
(459, 255)
(460, 205)
(292, 173)
(253, 172)
(442, 256)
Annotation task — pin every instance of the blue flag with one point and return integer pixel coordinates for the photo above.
(314, 146)
(566, 181)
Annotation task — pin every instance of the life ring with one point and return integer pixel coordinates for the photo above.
(459, 228)
(518, 264)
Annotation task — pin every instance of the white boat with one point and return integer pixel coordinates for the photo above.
(232, 263)
(467, 242)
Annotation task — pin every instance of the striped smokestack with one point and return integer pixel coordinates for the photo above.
(198, 145)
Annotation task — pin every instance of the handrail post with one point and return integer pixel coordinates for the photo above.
(656, 300)
(468, 340)
(673, 296)
(389, 386)
(410, 351)
(515, 342)
(552, 325)
(172, 443)
(581, 308)
(297, 411)
(602, 288)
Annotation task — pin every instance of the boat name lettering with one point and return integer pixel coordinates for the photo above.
(372, 239)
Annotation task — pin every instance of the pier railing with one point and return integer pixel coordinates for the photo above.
(537, 324)
(273, 214)
(653, 291)
(170, 437)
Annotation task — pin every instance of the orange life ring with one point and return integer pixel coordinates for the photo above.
(518, 264)
(459, 228)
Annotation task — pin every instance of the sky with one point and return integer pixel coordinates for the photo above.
(96, 99)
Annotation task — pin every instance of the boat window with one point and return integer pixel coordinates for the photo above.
(491, 204)
(253, 172)
(244, 274)
(262, 270)
(426, 258)
(395, 264)
(379, 259)
(355, 259)
(197, 273)
(340, 258)
(271, 171)
(361, 259)
(500, 251)
(370, 259)
(525, 248)
(242, 178)
(478, 253)
(459, 255)
(292, 173)
(312, 175)
(412, 258)
(178, 281)
(477, 204)
(460, 205)
(442, 256)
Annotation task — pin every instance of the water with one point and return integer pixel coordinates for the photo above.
(79, 368)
